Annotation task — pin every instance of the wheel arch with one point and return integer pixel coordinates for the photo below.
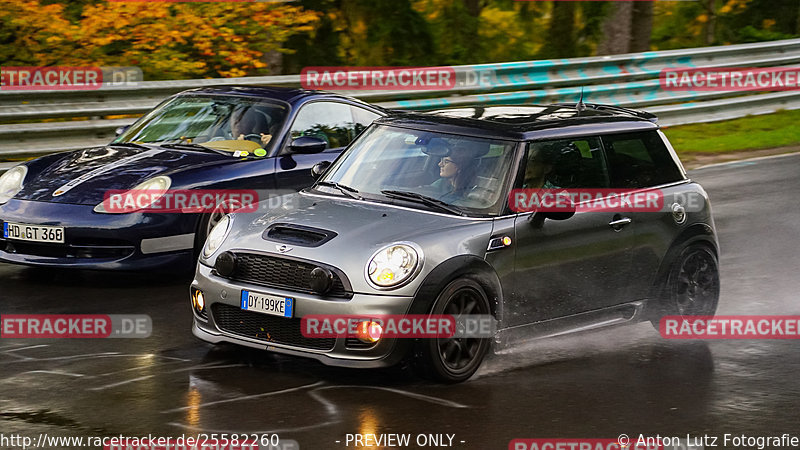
(695, 234)
(469, 266)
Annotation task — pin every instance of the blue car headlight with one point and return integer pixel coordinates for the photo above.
(11, 182)
(159, 185)
(394, 265)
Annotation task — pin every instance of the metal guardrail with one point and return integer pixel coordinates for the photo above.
(76, 119)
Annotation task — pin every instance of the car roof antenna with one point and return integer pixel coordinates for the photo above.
(580, 106)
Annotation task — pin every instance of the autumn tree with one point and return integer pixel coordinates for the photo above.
(32, 34)
(166, 40)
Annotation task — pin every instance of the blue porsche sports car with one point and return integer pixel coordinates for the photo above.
(52, 209)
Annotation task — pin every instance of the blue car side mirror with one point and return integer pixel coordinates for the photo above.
(308, 144)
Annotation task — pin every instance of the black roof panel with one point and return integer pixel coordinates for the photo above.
(526, 121)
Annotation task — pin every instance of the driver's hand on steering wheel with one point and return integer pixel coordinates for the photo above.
(264, 138)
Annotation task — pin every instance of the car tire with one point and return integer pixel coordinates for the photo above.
(453, 360)
(692, 285)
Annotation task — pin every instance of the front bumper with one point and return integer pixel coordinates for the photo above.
(222, 294)
(100, 241)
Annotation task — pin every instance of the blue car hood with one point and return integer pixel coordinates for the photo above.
(83, 176)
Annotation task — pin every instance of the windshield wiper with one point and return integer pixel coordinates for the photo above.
(347, 190)
(190, 146)
(128, 144)
(424, 199)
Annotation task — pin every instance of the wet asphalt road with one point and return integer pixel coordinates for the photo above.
(594, 385)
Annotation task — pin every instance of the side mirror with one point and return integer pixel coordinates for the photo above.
(319, 169)
(308, 144)
(121, 130)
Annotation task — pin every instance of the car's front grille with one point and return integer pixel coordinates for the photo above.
(282, 273)
(274, 329)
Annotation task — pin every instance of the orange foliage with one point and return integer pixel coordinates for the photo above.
(166, 40)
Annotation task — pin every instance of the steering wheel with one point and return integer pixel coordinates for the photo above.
(255, 137)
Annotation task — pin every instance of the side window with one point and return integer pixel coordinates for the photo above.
(335, 123)
(565, 163)
(639, 160)
(362, 119)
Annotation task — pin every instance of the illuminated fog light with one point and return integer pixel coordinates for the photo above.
(369, 332)
(199, 301)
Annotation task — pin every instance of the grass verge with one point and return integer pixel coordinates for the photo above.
(775, 130)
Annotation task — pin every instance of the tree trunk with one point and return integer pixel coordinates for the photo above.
(474, 7)
(641, 26)
(711, 23)
(560, 42)
(616, 29)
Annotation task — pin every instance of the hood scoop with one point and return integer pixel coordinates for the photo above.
(297, 235)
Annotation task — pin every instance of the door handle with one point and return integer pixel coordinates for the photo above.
(618, 223)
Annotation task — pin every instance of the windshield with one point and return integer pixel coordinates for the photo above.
(229, 123)
(397, 163)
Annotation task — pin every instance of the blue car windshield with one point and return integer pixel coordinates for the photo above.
(229, 123)
(468, 173)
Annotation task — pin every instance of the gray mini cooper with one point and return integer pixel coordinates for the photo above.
(419, 216)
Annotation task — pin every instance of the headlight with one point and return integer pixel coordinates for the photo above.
(159, 184)
(216, 236)
(394, 265)
(11, 182)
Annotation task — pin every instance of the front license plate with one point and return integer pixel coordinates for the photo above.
(267, 304)
(33, 233)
